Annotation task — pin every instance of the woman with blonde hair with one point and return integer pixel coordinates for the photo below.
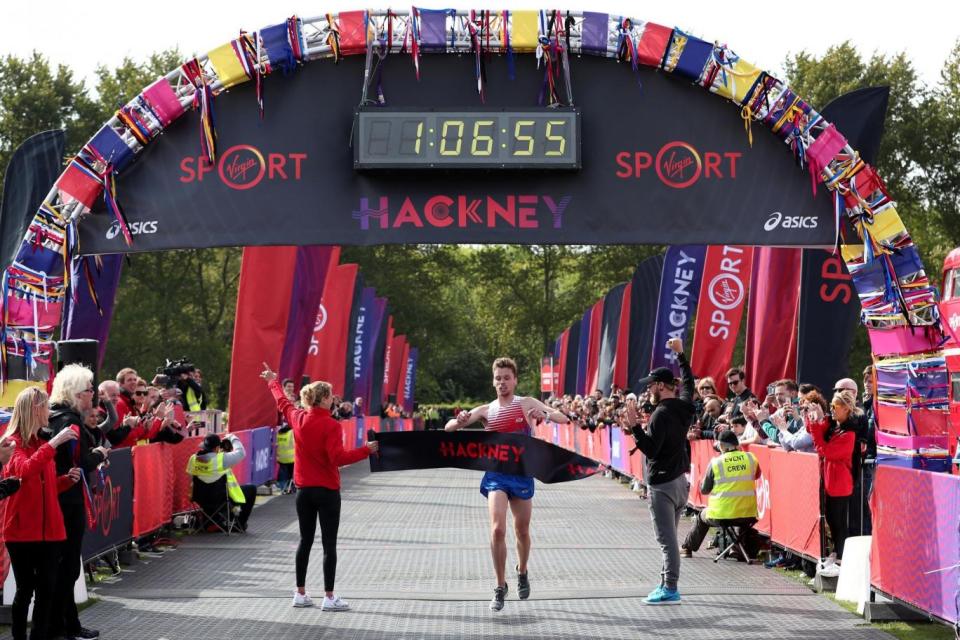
(318, 454)
(33, 523)
(71, 397)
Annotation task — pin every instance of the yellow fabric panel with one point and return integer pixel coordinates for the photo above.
(227, 65)
(12, 388)
(886, 225)
(525, 31)
(739, 79)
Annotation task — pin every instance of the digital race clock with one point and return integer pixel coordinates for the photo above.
(394, 138)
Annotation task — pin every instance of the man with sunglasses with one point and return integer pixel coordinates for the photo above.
(737, 390)
(664, 443)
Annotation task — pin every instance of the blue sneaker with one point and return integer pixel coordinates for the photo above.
(663, 596)
(656, 592)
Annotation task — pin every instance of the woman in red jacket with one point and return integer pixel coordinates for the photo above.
(835, 439)
(33, 523)
(318, 454)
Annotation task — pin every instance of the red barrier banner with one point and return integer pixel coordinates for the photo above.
(726, 275)
(605, 445)
(408, 424)
(795, 501)
(701, 453)
(152, 500)
(764, 512)
(349, 432)
(180, 481)
(916, 547)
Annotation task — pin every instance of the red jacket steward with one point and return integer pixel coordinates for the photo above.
(837, 454)
(33, 513)
(318, 444)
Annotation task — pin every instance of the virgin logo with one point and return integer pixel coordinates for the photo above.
(243, 167)
(321, 318)
(726, 291)
(678, 165)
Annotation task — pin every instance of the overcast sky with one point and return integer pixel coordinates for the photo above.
(84, 35)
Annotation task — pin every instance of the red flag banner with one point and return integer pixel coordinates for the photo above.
(771, 348)
(327, 351)
(561, 361)
(723, 294)
(593, 346)
(404, 352)
(623, 340)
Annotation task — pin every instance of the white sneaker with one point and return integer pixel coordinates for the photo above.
(301, 600)
(829, 570)
(334, 604)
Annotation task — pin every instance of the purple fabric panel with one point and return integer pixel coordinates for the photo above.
(312, 264)
(82, 319)
(593, 33)
(433, 29)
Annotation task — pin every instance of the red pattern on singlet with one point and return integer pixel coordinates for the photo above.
(508, 419)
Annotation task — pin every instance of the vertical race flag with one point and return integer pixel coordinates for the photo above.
(89, 318)
(829, 310)
(310, 274)
(561, 362)
(726, 274)
(404, 352)
(410, 380)
(328, 346)
(263, 305)
(610, 328)
(354, 342)
(360, 358)
(387, 353)
(771, 347)
(593, 346)
(643, 294)
(374, 398)
(570, 362)
(396, 363)
(583, 348)
(679, 293)
(621, 362)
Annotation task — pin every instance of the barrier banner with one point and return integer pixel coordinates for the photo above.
(408, 424)
(764, 456)
(795, 501)
(179, 479)
(113, 504)
(701, 453)
(481, 451)
(605, 445)
(916, 547)
(262, 456)
(242, 469)
(726, 275)
(617, 452)
(677, 305)
(152, 500)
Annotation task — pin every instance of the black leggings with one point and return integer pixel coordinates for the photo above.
(313, 504)
(836, 510)
(35, 569)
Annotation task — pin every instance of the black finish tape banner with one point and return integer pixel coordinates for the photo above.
(511, 453)
(667, 164)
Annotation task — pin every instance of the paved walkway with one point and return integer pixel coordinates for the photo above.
(414, 563)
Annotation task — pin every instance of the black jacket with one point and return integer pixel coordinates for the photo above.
(78, 453)
(664, 442)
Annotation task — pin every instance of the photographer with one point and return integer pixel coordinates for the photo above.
(188, 381)
(212, 462)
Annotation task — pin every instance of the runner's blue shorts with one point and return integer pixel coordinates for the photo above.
(514, 486)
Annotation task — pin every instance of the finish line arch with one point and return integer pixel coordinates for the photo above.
(654, 162)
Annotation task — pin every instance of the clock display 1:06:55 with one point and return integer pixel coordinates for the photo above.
(398, 139)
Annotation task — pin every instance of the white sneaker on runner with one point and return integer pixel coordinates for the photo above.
(301, 600)
(334, 604)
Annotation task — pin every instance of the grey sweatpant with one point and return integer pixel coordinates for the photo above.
(667, 502)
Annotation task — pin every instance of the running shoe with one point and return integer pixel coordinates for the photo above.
(334, 604)
(499, 595)
(301, 600)
(523, 584)
(665, 596)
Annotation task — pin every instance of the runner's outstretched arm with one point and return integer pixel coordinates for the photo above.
(466, 417)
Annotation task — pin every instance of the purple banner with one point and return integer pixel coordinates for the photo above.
(644, 288)
(83, 319)
(410, 383)
(358, 358)
(368, 373)
(262, 456)
(569, 382)
(679, 292)
(312, 265)
(593, 32)
(583, 350)
(619, 450)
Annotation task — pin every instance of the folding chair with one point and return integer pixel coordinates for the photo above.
(736, 531)
(214, 507)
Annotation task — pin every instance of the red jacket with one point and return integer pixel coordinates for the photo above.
(837, 454)
(318, 451)
(33, 513)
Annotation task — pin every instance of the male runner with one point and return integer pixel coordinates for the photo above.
(508, 414)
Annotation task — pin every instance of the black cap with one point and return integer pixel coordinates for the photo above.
(728, 437)
(210, 442)
(660, 374)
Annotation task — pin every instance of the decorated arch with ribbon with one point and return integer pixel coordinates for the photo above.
(262, 142)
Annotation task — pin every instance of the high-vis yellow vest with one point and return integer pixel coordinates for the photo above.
(734, 494)
(210, 471)
(193, 402)
(285, 447)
